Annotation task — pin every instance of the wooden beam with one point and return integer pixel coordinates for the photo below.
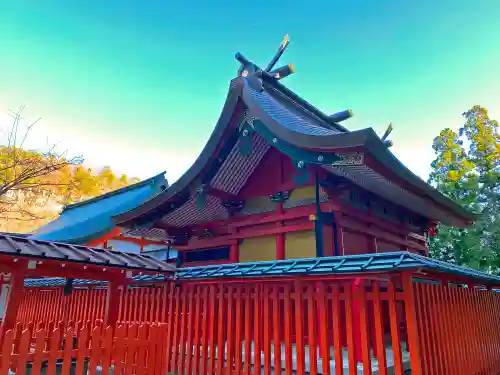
(139, 241)
(108, 236)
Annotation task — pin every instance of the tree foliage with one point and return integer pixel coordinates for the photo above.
(35, 184)
(467, 169)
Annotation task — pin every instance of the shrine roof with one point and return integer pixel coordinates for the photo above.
(259, 109)
(88, 220)
(383, 263)
(13, 249)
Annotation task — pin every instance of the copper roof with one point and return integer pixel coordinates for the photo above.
(48, 250)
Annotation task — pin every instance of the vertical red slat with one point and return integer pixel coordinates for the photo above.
(351, 352)
(176, 330)
(379, 329)
(311, 334)
(197, 316)
(440, 329)
(411, 325)
(363, 328)
(248, 325)
(136, 305)
(474, 337)
(323, 328)
(159, 309)
(238, 330)
(337, 326)
(423, 325)
(436, 328)
(181, 360)
(229, 329)
(299, 330)
(142, 305)
(211, 328)
(276, 328)
(204, 330)
(220, 332)
(190, 321)
(453, 317)
(257, 331)
(130, 303)
(166, 290)
(430, 322)
(170, 323)
(266, 331)
(394, 326)
(287, 313)
(465, 334)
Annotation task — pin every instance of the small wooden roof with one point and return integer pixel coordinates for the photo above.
(47, 258)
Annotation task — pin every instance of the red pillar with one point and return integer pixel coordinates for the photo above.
(13, 302)
(280, 246)
(112, 304)
(234, 253)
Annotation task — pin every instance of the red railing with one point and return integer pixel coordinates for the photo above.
(126, 350)
(459, 330)
(316, 326)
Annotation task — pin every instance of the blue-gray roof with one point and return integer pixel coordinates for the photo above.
(86, 221)
(353, 264)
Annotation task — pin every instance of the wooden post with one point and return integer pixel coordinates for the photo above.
(411, 324)
(112, 304)
(280, 246)
(234, 253)
(356, 316)
(13, 301)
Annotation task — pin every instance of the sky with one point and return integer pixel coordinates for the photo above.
(139, 85)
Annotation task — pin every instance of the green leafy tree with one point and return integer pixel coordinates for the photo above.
(467, 169)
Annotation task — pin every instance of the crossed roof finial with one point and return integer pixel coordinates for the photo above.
(254, 73)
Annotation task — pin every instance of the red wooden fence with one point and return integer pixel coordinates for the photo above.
(130, 349)
(315, 326)
(459, 330)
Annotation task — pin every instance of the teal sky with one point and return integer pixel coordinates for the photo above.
(139, 85)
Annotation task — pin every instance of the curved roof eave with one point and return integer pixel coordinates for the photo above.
(367, 138)
(199, 165)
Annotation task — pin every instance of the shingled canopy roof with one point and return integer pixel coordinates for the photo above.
(352, 264)
(47, 258)
(260, 109)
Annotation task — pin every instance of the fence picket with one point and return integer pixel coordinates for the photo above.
(7, 346)
(36, 366)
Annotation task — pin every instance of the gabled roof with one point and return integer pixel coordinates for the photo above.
(277, 117)
(89, 220)
(352, 264)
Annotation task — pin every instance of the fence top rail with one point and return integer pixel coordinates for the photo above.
(352, 264)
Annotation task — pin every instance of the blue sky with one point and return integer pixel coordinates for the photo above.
(139, 85)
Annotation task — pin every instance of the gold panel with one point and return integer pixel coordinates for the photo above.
(306, 192)
(258, 249)
(300, 245)
(255, 205)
